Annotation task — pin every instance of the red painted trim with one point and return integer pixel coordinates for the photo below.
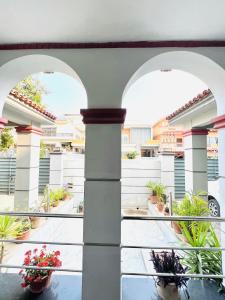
(103, 115)
(29, 129)
(109, 45)
(219, 122)
(196, 131)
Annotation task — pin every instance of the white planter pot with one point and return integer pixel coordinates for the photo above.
(170, 292)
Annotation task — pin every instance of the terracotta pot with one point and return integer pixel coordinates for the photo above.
(160, 206)
(176, 227)
(66, 197)
(170, 292)
(36, 222)
(23, 235)
(153, 199)
(39, 286)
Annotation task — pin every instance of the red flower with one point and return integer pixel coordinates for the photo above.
(57, 253)
(24, 284)
(44, 246)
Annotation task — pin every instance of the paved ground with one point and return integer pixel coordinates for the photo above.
(71, 230)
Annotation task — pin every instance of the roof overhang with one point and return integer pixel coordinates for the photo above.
(19, 113)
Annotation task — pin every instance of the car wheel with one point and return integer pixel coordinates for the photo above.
(214, 207)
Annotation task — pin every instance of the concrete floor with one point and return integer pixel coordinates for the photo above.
(140, 233)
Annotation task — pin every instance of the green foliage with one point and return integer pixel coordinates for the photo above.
(43, 150)
(24, 224)
(132, 154)
(33, 89)
(203, 261)
(158, 189)
(191, 205)
(6, 139)
(56, 195)
(8, 229)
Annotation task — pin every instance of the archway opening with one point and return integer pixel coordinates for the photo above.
(181, 124)
(42, 151)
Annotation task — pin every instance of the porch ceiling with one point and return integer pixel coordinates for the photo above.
(102, 21)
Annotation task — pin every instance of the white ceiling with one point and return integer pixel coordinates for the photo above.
(27, 21)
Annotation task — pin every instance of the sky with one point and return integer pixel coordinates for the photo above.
(151, 98)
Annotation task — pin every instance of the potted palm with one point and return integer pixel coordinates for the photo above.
(168, 286)
(152, 187)
(191, 205)
(38, 280)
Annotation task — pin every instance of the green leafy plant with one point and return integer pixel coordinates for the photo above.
(24, 225)
(32, 88)
(202, 234)
(132, 154)
(8, 229)
(158, 189)
(6, 139)
(191, 205)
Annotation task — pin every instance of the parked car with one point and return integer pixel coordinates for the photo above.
(213, 197)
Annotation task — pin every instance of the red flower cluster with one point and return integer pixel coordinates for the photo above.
(39, 258)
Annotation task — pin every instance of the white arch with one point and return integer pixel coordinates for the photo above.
(17, 69)
(201, 66)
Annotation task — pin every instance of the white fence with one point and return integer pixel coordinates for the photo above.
(135, 174)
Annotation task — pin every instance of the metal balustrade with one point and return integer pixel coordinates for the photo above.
(123, 217)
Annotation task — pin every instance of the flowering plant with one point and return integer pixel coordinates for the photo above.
(39, 258)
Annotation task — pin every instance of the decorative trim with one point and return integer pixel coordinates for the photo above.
(219, 122)
(110, 45)
(190, 104)
(3, 122)
(196, 131)
(29, 129)
(103, 115)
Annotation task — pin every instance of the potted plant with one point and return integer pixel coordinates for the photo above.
(35, 220)
(132, 154)
(191, 205)
(66, 195)
(153, 198)
(38, 280)
(168, 286)
(202, 234)
(158, 192)
(24, 228)
(8, 230)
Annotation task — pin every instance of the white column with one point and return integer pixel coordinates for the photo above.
(167, 171)
(56, 170)
(102, 205)
(195, 155)
(27, 167)
(219, 124)
(3, 122)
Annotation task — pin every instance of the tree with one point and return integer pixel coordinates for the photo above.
(32, 88)
(6, 139)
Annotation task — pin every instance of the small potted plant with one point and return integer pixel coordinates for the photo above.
(24, 228)
(158, 191)
(35, 220)
(66, 195)
(132, 154)
(38, 280)
(168, 286)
